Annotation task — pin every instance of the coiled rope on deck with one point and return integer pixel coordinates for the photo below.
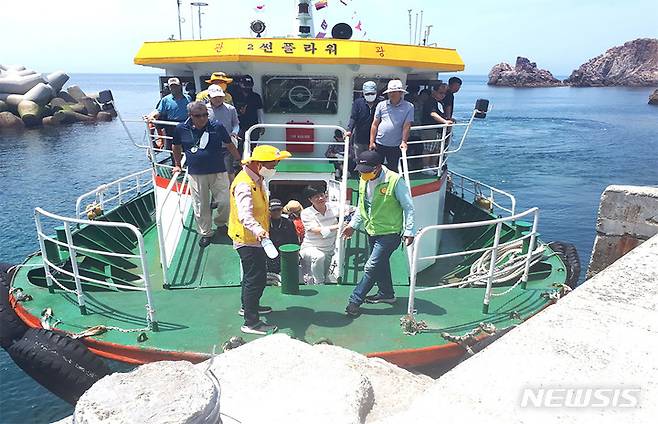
(510, 265)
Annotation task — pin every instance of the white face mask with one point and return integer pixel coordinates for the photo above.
(370, 97)
(266, 172)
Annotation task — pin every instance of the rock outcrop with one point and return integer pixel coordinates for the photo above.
(653, 98)
(634, 64)
(524, 74)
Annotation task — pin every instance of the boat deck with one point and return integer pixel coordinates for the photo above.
(200, 309)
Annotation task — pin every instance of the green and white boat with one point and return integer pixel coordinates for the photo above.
(124, 274)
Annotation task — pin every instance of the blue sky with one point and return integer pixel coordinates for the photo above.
(103, 36)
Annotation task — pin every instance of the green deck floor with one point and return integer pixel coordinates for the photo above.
(200, 309)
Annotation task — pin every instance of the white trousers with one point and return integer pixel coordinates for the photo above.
(318, 261)
(202, 187)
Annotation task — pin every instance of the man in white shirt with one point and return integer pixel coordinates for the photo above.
(227, 115)
(321, 228)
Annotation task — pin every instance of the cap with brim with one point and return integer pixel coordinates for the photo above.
(265, 153)
(219, 76)
(311, 191)
(395, 85)
(275, 204)
(368, 161)
(215, 91)
(369, 87)
(173, 81)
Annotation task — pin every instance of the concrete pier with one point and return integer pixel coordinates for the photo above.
(628, 215)
(603, 336)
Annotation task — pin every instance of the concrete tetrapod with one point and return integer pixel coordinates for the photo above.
(30, 113)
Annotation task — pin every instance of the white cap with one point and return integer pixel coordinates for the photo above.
(173, 81)
(215, 91)
(395, 85)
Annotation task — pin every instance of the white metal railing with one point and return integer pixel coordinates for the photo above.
(459, 186)
(447, 131)
(103, 194)
(340, 243)
(490, 277)
(73, 250)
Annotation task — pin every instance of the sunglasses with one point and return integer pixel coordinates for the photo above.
(199, 115)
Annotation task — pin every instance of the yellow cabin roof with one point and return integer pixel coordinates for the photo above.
(299, 50)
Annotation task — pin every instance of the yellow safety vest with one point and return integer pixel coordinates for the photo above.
(236, 230)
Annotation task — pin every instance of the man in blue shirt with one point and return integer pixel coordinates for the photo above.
(171, 107)
(204, 143)
(390, 128)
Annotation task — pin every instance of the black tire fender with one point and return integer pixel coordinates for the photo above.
(11, 327)
(569, 255)
(59, 363)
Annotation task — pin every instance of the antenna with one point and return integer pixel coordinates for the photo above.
(199, 5)
(416, 28)
(427, 34)
(420, 27)
(180, 30)
(409, 11)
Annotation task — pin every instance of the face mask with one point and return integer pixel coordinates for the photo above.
(370, 97)
(266, 172)
(367, 176)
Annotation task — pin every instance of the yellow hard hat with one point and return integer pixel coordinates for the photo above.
(265, 153)
(219, 76)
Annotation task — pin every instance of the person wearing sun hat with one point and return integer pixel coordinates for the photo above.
(220, 79)
(248, 226)
(390, 129)
(386, 213)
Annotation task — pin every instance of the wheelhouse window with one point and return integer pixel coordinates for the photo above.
(307, 95)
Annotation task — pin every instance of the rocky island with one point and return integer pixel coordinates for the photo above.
(524, 74)
(653, 98)
(633, 64)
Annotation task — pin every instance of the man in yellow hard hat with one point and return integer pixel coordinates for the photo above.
(222, 80)
(248, 227)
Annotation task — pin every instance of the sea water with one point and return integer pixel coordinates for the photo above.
(554, 148)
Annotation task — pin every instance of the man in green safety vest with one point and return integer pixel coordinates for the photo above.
(386, 212)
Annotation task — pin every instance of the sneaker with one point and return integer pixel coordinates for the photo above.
(259, 328)
(353, 310)
(262, 310)
(378, 298)
(204, 241)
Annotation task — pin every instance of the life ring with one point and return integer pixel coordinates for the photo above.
(569, 255)
(11, 327)
(158, 142)
(59, 363)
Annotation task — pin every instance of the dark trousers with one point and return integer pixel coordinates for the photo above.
(254, 278)
(378, 268)
(391, 155)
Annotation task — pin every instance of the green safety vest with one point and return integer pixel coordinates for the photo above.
(383, 214)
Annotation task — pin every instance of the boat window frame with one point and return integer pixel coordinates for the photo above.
(270, 108)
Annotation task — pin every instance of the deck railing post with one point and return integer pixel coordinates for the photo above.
(413, 254)
(531, 248)
(340, 242)
(74, 267)
(147, 283)
(492, 269)
(44, 254)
